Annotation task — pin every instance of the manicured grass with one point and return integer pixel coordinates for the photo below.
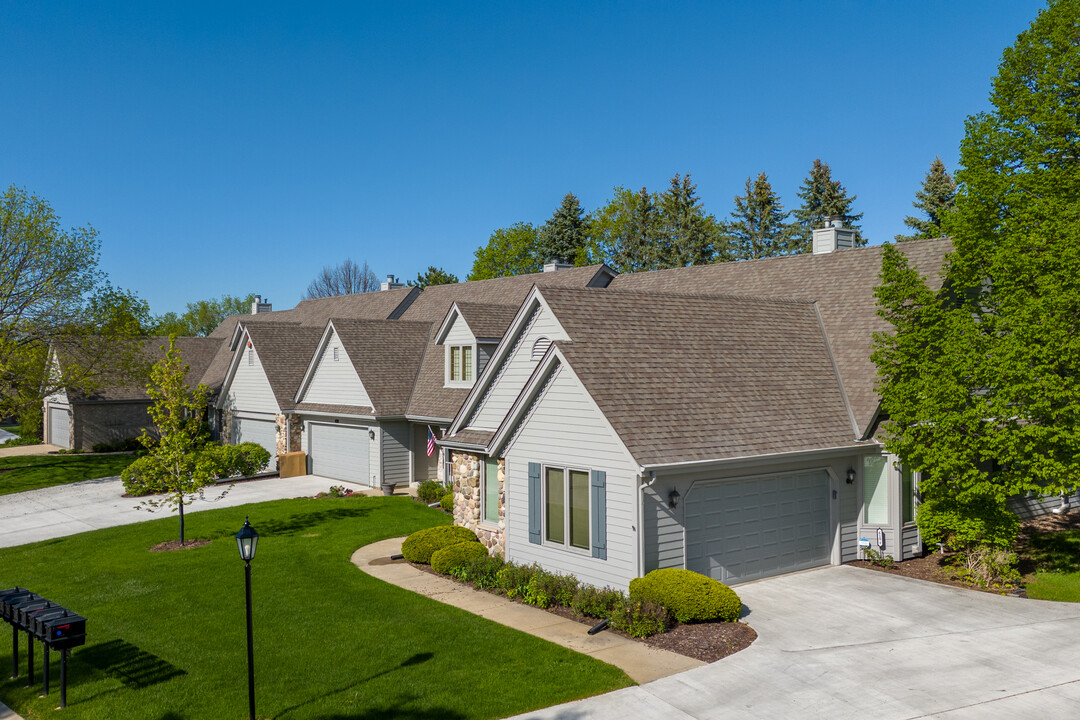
(31, 472)
(167, 636)
(1056, 555)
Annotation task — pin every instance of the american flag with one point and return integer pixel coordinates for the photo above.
(430, 441)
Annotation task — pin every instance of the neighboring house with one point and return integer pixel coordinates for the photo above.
(719, 418)
(113, 405)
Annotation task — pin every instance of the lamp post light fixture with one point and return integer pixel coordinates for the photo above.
(246, 542)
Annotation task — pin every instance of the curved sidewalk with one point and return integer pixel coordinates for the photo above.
(642, 663)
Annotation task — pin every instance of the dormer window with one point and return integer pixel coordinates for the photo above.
(461, 363)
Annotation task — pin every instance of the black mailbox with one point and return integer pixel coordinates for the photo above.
(25, 610)
(13, 603)
(34, 618)
(64, 631)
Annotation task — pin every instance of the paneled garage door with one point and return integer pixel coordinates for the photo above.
(340, 452)
(263, 432)
(59, 427)
(747, 529)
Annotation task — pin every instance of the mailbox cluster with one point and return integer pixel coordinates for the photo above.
(55, 627)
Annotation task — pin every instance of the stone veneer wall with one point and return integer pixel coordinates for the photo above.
(296, 427)
(281, 434)
(467, 501)
(226, 426)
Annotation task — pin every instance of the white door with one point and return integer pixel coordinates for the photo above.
(340, 452)
(742, 530)
(261, 432)
(60, 427)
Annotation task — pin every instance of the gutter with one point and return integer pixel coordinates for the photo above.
(690, 465)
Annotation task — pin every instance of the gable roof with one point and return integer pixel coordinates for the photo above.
(485, 321)
(691, 378)
(113, 384)
(430, 399)
(284, 350)
(841, 283)
(386, 355)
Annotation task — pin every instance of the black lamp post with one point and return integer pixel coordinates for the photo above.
(246, 541)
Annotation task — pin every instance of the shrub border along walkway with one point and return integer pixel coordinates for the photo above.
(642, 663)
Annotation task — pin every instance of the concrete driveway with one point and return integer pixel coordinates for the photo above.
(94, 504)
(840, 642)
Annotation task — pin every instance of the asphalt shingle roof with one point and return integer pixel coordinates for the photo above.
(386, 355)
(113, 385)
(284, 350)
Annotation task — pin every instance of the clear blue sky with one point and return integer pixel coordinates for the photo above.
(235, 148)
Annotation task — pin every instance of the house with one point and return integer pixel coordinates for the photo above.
(719, 418)
(113, 405)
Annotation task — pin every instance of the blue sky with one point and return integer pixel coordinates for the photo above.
(235, 148)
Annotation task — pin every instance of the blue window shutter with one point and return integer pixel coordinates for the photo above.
(535, 503)
(599, 514)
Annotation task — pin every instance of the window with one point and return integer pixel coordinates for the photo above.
(461, 363)
(491, 490)
(876, 490)
(566, 507)
(907, 495)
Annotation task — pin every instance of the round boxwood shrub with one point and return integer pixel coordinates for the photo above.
(419, 546)
(690, 596)
(447, 502)
(454, 556)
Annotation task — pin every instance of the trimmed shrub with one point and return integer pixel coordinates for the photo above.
(596, 602)
(546, 589)
(447, 502)
(422, 544)
(640, 618)
(453, 556)
(690, 596)
(963, 525)
(480, 572)
(430, 491)
(514, 579)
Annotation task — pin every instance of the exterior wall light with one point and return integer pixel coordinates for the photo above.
(371, 434)
(850, 476)
(673, 499)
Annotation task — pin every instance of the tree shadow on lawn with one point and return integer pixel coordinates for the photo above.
(417, 659)
(397, 713)
(300, 522)
(1050, 551)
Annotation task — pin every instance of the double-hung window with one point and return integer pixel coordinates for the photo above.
(566, 507)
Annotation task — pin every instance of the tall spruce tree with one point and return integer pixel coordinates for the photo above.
(565, 236)
(935, 198)
(981, 383)
(690, 235)
(758, 227)
(822, 197)
(627, 231)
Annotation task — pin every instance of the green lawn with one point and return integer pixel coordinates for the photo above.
(31, 472)
(1056, 557)
(167, 637)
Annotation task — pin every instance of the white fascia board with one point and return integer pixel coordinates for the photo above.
(699, 465)
(427, 419)
(313, 363)
(448, 320)
(237, 352)
(551, 360)
(323, 413)
(237, 335)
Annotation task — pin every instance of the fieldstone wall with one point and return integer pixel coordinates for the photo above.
(467, 501)
(226, 426)
(296, 427)
(281, 436)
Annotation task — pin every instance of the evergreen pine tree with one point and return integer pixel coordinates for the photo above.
(690, 235)
(565, 236)
(627, 231)
(822, 197)
(936, 198)
(759, 224)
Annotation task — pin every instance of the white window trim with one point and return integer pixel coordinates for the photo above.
(447, 381)
(484, 522)
(863, 521)
(566, 469)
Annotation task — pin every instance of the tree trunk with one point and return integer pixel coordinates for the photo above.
(181, 522)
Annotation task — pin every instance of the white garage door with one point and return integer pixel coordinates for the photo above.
(262, 432)
(59, 427)
(747, 529)
(340, 452)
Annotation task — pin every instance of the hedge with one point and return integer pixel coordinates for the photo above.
(454, 556)
(420, 546)
(690, 596)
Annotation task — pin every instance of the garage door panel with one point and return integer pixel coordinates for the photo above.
(260, 432)
(340, 452)
(747, 529)
(59, 427)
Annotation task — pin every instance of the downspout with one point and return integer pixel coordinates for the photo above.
(1064, 507)
(641, 519)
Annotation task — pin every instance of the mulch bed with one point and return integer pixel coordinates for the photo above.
(707, 642)
(175, 545)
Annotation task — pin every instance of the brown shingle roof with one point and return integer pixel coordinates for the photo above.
(386, 355)
(284, 350)
(487, 321)
(197, 352)
(684, 378)
(430, 398)
(842, 283)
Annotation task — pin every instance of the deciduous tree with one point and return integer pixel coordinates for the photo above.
(202, 316)
(348, 278)
(936, 198)
(509, 251)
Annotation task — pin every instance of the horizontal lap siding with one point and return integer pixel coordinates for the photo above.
(250, 390)
(395, 453)
(459, 333)
(912, 544)
(516, 371)
(336, 382)
(1032, 507)
(663, 532)
(425, 467)
(849, 516)
(565, 429)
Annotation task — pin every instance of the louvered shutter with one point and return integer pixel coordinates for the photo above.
(599, 514)
(535, 503)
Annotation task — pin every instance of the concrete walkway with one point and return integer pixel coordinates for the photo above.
(841, 642)
(20, 450)
(641, 662)
(94, 504)
(4, 437)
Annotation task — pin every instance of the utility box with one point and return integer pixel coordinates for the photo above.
(292, 464)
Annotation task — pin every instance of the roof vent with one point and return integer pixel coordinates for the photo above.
(834, 236)
(260, 306)
(391, 283)
(553, 265)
